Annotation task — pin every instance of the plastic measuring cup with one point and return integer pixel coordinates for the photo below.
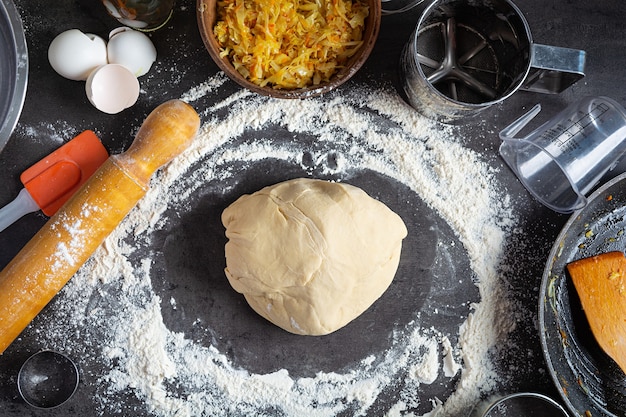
(563, 159)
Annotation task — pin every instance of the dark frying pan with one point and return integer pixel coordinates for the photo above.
(590, 383)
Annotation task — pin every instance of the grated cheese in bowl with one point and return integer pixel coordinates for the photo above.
(288, 44)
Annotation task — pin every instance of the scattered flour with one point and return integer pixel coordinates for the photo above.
(175, 376)
(426, 370)
(450, 365)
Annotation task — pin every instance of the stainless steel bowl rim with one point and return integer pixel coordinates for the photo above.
(13, 69)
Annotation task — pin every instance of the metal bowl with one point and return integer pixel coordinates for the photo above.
(207, 16)
(47, 379)
(519, 404)
(13, 69)
(587, 379)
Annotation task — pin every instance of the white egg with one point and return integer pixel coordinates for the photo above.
(112, 88)
(132, 49)
(74, 54)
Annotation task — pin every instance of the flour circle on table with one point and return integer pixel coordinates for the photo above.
(212, 363)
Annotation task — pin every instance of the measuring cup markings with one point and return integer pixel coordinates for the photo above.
(585, 121)
(564, 141)
(566, 136)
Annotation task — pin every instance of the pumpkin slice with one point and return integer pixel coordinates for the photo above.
(600, 282)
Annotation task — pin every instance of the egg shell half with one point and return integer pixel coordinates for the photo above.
(74, 54)
(132, 49)
(112, 88)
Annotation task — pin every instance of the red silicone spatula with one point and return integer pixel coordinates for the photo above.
(52, 181)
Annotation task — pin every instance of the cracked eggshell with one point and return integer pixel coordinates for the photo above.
(74, 54)
(132, 49)
(112, 88)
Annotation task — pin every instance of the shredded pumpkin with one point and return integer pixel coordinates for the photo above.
(289, 43)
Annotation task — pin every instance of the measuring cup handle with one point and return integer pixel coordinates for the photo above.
(511, 130)
(553, 68)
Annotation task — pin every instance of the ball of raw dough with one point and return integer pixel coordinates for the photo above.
(311, 255)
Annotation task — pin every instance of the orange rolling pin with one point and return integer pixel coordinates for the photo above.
(48, 261)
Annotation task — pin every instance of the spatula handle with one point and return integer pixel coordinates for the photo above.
(69, 238)
(22, 205)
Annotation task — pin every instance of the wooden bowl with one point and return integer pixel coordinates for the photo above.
(207, 16)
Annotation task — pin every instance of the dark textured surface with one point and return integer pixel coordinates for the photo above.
(597, 27)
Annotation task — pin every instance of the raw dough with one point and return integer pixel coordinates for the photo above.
(311, 255)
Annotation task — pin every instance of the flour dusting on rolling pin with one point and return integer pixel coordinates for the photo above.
(69, 238)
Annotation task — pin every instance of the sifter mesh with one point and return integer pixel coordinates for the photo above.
(459, 62)
(473, 53)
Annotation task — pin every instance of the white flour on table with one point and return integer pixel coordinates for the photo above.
(175, 376)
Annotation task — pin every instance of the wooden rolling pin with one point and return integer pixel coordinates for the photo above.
(47, 262)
